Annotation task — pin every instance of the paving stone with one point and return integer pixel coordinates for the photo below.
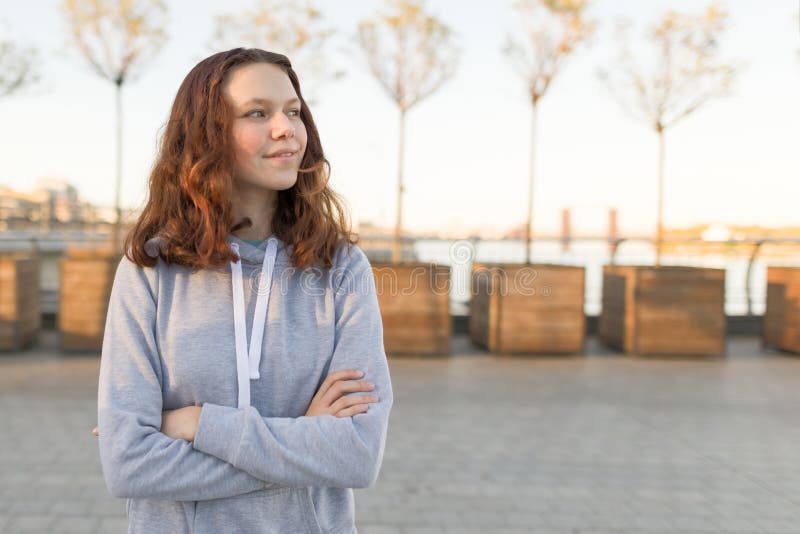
(77, 525)
(373, 528)
(72, 507)
(31, 523)
(112, 526)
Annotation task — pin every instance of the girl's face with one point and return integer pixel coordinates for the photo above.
(269, 137)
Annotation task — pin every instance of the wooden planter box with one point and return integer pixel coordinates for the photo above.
(84, 291)
(415, 307)
(20, 297)
(520, 308)
(782, 316)
(663, 310)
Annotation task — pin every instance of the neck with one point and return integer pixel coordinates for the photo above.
(256, 204)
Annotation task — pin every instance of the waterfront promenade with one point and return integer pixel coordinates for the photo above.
(601, 443)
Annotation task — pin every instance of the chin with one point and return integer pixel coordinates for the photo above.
(272, 183)
(284, 187)
(285, 183)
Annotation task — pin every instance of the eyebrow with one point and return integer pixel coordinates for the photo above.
(268, 101)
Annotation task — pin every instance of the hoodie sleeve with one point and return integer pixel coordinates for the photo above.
(323, 451)
(139, 461)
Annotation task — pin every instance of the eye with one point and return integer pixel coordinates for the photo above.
(296, 111)
(252, 113)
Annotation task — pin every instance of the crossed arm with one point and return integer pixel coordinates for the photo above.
(330, 399)
(146, 452)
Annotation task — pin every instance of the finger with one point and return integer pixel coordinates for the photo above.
(349, 400)
(96, 431)
(358, 408)
(338, 390)
(342, 387)
(335, 377)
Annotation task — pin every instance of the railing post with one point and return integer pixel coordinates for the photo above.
(749, 275)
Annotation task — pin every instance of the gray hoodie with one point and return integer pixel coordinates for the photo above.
(257, 464)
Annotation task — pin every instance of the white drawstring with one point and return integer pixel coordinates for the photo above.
(247, 363)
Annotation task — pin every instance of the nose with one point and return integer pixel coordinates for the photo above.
(282, 126)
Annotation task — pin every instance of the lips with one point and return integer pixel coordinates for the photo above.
(285, 153)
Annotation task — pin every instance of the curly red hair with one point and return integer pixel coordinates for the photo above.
(190, 185)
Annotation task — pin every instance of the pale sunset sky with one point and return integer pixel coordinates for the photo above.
(735, 161)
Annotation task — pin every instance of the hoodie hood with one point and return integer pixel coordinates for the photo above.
(250, 255)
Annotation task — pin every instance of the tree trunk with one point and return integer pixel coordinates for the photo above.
(529, 223)
(660, 212)
(115, 233)
(400, 189)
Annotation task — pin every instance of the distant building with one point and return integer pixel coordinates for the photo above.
(17, 209)
(53, 204)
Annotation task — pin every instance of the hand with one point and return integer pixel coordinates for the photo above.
(181, 423)
(177, 424)
(330, 398)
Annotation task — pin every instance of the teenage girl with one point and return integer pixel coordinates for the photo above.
(243, 382)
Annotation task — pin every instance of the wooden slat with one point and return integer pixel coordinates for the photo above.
(782, 315)
(19, 300)
(664, 310)
(414, 302)
(527, 309)
(85, 289)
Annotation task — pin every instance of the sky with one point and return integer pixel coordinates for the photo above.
(735, 161)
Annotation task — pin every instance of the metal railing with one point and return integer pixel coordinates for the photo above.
(745, 260)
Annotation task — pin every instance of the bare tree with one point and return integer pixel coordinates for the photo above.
(411, 54)
(294, 29)
(117, 38)
(551, 30)
(687, 74)
(17, 67)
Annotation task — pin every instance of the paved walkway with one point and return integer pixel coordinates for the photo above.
(482, 444)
